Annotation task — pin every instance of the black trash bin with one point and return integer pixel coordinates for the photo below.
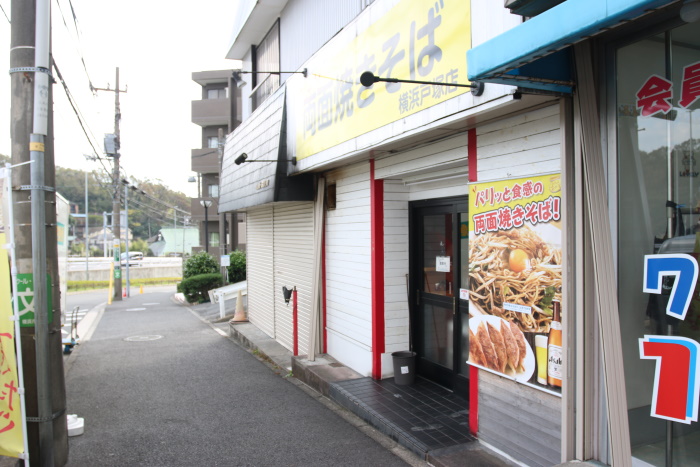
(404, 367)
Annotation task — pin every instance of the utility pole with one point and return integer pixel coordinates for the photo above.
(34, 199)
(115, 191)
(222, 216)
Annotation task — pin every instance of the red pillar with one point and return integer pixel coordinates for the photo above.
(377, 241)
(473, 371)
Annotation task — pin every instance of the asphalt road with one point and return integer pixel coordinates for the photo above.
(159, 387)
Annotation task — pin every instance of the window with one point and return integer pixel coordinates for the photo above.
(657, 150)
(217, 93)
(266, 57)
(213, 191)
(213, 142)
(213, 239)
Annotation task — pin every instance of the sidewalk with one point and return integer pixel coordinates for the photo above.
(393, 415)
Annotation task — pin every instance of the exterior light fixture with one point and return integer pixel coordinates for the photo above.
(690, 11)
(240, 83)
(287, 293)
(368, 79)
(244, 158)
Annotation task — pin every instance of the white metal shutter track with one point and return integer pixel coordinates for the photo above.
(294, 253)
(259, 262)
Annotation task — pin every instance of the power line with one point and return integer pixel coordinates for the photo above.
(77, 38)
(3, 11)
(75, 107)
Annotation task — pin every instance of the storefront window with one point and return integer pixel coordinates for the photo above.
(658, 144)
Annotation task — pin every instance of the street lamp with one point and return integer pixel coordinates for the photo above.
(206, 203)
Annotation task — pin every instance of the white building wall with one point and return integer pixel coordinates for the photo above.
(293, 266)
(305, 26)
(259, 265)
(348, 269)
(395, 268)
(518, 146)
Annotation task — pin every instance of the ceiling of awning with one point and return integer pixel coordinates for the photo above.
(525, 55)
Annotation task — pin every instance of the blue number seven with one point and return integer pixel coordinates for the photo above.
(684, 268)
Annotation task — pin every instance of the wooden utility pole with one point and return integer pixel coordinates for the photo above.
(116, 229)
(34, 200)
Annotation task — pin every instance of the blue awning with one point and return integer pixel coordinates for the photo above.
(516, 56)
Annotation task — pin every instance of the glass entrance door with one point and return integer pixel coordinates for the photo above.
(438, 268)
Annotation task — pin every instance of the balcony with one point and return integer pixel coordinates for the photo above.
(207, 112)
(205, 160)
(197, 210)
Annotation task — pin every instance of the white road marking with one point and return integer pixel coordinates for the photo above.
(135, 309)
(148, 304)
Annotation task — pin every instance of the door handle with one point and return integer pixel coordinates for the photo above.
(454, 306)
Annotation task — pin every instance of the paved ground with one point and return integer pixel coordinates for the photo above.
(158, 386)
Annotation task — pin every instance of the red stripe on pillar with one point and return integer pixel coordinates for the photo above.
(473, 371)
(377, 239)
(324, 344)
(295, 321)
(471, 154)
(473, 400)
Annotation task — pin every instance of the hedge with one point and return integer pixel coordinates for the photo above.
(196, 288)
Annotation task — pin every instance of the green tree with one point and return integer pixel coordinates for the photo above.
(200, 263)
(139, 245)
(237, 269)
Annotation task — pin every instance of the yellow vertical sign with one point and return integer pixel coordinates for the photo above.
(11, 441)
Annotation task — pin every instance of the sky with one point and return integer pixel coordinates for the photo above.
(156, 45)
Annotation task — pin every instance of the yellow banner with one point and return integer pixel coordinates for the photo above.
(11, 441)
(420, 40)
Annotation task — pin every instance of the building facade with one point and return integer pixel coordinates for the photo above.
(515, 238)
(217, 111)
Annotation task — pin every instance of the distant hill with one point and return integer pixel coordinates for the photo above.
(147, 213)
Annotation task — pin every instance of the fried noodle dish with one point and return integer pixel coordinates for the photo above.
(515, 267)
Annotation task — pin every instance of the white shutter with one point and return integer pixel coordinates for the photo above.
(259, 262)
(294, 253)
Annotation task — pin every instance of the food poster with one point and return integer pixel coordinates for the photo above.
(515, 279)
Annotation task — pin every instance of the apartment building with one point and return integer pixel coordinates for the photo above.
(219, 109)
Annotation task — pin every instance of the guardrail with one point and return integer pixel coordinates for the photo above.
(227, 292)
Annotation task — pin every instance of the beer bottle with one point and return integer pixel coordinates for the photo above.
(554, 353)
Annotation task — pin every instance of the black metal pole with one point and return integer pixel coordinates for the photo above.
(206, 228)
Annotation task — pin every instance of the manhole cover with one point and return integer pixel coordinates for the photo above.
(153, 337)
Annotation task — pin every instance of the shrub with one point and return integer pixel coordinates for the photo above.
(198, 264)
(237, 271)
(196, 288)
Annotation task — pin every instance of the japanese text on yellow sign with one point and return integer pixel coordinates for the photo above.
(424, 40)
(11, 441)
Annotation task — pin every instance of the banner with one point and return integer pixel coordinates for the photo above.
(515, 279)
(419, 40)
(11, 425)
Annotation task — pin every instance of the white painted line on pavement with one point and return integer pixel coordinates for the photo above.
(135, 309)
(148, 304)
(220, 332)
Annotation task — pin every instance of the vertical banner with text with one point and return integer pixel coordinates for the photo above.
(11, 429)
(515, 279)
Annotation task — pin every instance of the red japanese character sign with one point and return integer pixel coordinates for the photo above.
(690, 89)
(655, 96)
